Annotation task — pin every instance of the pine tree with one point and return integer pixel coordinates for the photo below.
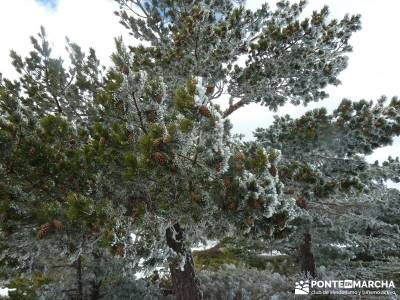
(288, 60)
(91, 156)
(347, 209)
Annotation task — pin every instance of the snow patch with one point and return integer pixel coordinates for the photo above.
(204, 246)
(272, 253)
(4, 292)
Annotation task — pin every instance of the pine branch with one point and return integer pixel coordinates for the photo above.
(139, 114)
(234, 107)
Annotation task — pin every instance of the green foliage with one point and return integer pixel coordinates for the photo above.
(27, 289)
(184, 101)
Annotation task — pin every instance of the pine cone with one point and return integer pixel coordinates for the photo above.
(157, 142)
(160, 157)
(174, 167)
(120, 106)
(268, 231)
(227, 182)
(232, 205)
(131, 137)
(218, 167)
(204, 111)
(159, 98)
(273, 170)
(240, 156)
(58, 225)
(243, 49)
(120, 251)
(239, 168)
(301, 202)
(62, 189)
(43, 231)
(249, 221)
(210, 89)
(151, 115)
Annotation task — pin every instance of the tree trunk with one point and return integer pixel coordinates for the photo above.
(95, 292)
(185, 283)
(79, 278)
(307, 257)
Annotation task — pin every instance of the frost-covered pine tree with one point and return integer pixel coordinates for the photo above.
(138, 161)
(349, 215)
(287, 59)
(58, 221)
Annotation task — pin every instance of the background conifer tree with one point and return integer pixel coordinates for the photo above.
(347, 208)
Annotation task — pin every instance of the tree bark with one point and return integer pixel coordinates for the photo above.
(79, 278)
(185, 283)
(307, 257)
(95, 292)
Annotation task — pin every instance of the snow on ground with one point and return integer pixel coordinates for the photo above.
(271, 253)
(4, 292)
(205, 246)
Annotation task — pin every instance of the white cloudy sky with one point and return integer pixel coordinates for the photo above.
(372, 71)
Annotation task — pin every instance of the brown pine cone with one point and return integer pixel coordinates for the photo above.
(204, 111)
(301, 202)
(232, 205)
(273, 170)
(210, 89)
(43, 231)
(160, 157)
(268, 231)
(239, 156)
(159, 98)
(218, 167)
(227, 182)
(249, 221)
(120, 106)
(131, 136)
(151, 115)
(157, 142)
(120, 251)
(62, 189)
(239, 168)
